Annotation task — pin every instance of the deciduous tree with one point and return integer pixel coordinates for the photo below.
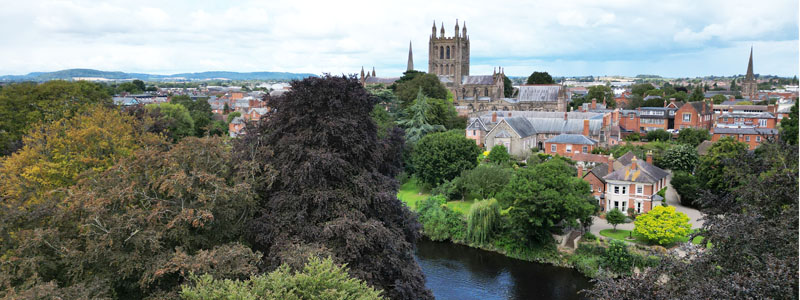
(615, 217)
(179, 122)
(662, 225)
(443, 156)
(540, 78)
(680, 158)
(693, 136)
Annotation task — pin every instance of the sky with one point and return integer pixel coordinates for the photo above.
(674, 38)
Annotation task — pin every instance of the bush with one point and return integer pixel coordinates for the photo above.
(403, 177)
(633, 137)
(615, 217)
(440, 223)
(662, 225)
(658, 135)
(482, 220)
(588, 236)
(687, 186)
(450, 189)
(499, 155)
(617, 258)
(693, 136)
(486, 180)
(319, 279)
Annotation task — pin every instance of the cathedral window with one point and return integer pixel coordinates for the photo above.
(486, 92)
(447, 69)
(448, 52)
(441, 52)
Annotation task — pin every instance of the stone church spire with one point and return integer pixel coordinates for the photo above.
(750, 75)
(373, 71)
(442, 30)
(410, 65)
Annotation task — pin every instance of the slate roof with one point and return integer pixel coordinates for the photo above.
(237, 120)
(384, 80)
(477, 124)
(764, 131)
(258, 110)
(588, 157)
(702, 149)
(698, 106)
(567, 138)
(477, 79)
(600, 170)
(521, 125)
(539, 93)
(760, 115)
(642, 172)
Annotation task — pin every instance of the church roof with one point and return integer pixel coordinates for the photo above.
(478, 79)
(568, 138)
(539, 93)
(521, 125)
(384, 80)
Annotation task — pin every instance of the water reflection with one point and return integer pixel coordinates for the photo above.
(460, 272)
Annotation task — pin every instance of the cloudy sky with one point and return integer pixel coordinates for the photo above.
(586, 37)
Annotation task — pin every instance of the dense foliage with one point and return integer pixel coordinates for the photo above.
(22, 105)
(482, 220)
(177, 119)
(658, 135)
(429, 84)
(789, 129)
(680, 158)
(714, 170)
(693, 136)
(753, 230)
(687, 186)
(443, 156)
(319, 279)
(615, 217)
(201, 114)
(499, 155)
(485, 180)
(417, 122)
(440, 223)
(540, 78)
(332, 191)
(662, 225)
(617, 258)
(543, 196)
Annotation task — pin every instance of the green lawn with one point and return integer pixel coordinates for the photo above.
(460, 206)
(410, 194)
(622, 235)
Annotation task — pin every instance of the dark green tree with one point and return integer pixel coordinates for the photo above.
(179, 121)
(697, 94)
(416, 121)
(687, 186)
(508, 88)
(542, 196)
(139, 84)
(407, 91)
(658, 135)
(485, 180)
(635, 102)
(640, 89)
(601, 93)
(617, 258)
(199, 110)
(540, 78)
(615, 217)
(718, 99)
(443, 156)
(714, 170)
(332, 192)
(653, 102)
(693, 136)
(499, 155)
(680, 158)
(789, 127)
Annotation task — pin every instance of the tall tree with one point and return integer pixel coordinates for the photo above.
(641, 89)
(680, 158)
(200, 111)
(697, 94)
(540, 78)
(543, 196)
(714, 170)
(332, 192)
(602, 93)
(693, 136)
(22, 105)
(417, 123)
(789, 127)
(439, 157)
(407, 91)
(718, 99)
(180, 122)
(508, 88)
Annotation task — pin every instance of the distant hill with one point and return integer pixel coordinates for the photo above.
(70, 74)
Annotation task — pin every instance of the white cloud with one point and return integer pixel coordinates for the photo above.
(682, 37)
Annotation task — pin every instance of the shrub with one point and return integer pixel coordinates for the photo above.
(617, 258)
(450, 189)
(440, 223)
(615, 217)
(662, 225)
(658, 135)
(633, 137)
(499, 155)
(482, 220)
(485, 180)
(319, 279)
(588, 236)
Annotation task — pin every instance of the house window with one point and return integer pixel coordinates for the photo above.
(638, 207)
(639, 189)
(569, 148)
(671, 112)
(616, 189)
(687, 117)
(762, 122)
(758, 138)
(553, 148)
(624, 190)
(631, 116)
(585, 149)
(747, 138)
(473, 132)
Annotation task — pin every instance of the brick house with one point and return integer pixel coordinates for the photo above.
(629, 120)
(255, 114)
(698, 114)
(477, 129)
(568, 144)
(753, 137)
(236, 126)
(654, 118)
(595, 179)
(747, 119)
(634, 185)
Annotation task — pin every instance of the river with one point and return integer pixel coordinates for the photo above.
(459, 272)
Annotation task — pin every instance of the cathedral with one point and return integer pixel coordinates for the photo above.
(749, 84)
(448, 58)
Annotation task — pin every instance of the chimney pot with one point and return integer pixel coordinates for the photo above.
(580, 171)
(611, 164)
(494, 117)
(650, 157)
(586, 127)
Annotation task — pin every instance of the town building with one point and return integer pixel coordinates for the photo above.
(699, 115)
(751, 136)
(633, 186)
(568, 144)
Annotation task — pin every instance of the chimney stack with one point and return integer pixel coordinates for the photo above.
(494, 117)
(633, 163)
(594, 103)
(611, 163)
(586, 127)
(650, 157)
(509, 114)
(565, 116)
(580, 171)
(672, 101)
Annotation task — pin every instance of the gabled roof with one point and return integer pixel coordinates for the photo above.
(637, 171)
(566, 138)
(258, 110)
(600, 170)
(477, 124)
(539, 93)
(521, 125)
(477, 79)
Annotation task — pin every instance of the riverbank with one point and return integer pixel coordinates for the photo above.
(586, 257)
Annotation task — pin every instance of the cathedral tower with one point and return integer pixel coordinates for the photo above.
(750, 85)
(449, 56)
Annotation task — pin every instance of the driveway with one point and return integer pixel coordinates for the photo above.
(672, 198)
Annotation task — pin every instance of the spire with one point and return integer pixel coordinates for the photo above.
(433, 30)
(456, 32)
(410, 65)
(362, 72)
(750, 75)
(464, 30)
(373, 71)
(442, 29)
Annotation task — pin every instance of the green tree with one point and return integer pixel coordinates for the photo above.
(443, 156)
(200, 111)
(641, 89)
(693, 136)
(718, 99)
(499, 155)
(180, 121)
(544, 195)
(540, 78)
(636, 101)
(733, 85)
(440, 223)
(233, 115)
(485, 180)
(382, 119)
(23, 105)
(653, 102)
(789, 129)
(680, 158)
(601, 93)
(318, 279)
(617, 258)
(128, 87)
(679, 96)
(442, 112)
(615, 217)
(139, 84)
(687, 187)
(482, 220)
(654, 92)
(416, 122)
(407, 91)
(714, 171)
(662, 225)
(508, 88)
(658, 135)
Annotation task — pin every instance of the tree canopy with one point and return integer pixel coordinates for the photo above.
(417, 121)
(693, 136)
(662, 225)
(177, 118)
(443, 156)
(602, 93)
(680, 158)
(407, 90)
(332, 192)
(508, 88)
(540, 78)
(789, 129)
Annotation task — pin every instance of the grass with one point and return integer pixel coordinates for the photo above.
(410, 193)
(622, 235)
(461, 207)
